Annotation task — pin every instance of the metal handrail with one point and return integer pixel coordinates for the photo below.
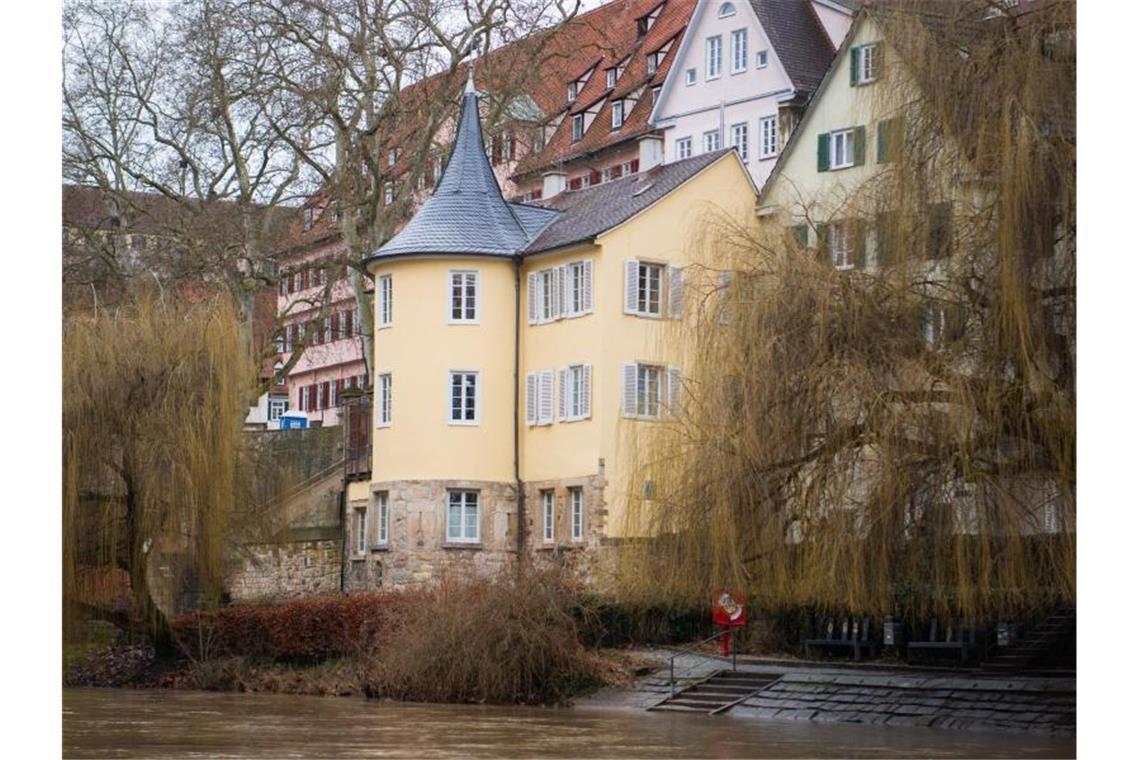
(717, 635)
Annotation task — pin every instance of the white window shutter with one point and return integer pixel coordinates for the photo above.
(560, 300)
(563, 378)
(629, 389)
(546, 397)
(531, 399)
(631, 286)
(531, 299)
(676, 292)
(587, 286)
(675, 390)
(586, 390)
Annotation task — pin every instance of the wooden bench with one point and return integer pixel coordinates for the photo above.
(958, 638)
(850, 634)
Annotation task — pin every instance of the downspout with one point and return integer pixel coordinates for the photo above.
(520, 495)
(341, 522)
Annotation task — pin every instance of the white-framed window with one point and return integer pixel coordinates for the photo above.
(463, 397)
(327, 329)
(278, 375)
(463, 295)
(842, 148)
(711, 140)
(761, 59)
(841, 245)
(463, 516)
(656, 93)
(690, 77)
(865, 64)
(393, 156)
(726, 10)
(383, 399)
(577, 514)
(712, 57)
(611, 77)
(382, 518)
(577, 127)
(579, 288)
(740, 140)
(651, 63)
(383, 300)
(360, 530)
(684, 148)
(617, 114)
(739, 50)
(769, 137)
(571, 92)
(389, 193)
(277, 407)
(649, 389)
(574, 392)
(540, 397)
(548, 516)
(643, 282)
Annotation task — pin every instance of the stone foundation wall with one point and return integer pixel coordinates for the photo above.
(291, 569)
(417, 551)
(583, 557)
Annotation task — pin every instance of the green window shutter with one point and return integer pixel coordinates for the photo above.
(800, 235)
(938, 246)
(889, 139)
(881, 142)
(858, 230)
(860, 145)
(885, 239)
(877, 61)
(854, 66)
(823, 250)
(823, 154)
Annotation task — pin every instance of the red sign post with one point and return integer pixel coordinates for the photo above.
(728, 611)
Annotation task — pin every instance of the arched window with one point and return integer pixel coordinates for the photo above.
(726, 10)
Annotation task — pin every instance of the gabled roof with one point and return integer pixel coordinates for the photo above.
(803, 47)
(467, 214)
(590, 212)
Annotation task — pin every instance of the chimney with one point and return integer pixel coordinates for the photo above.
(650, 152)
(553, 183)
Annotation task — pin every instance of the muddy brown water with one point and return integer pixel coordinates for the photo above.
(124, 723)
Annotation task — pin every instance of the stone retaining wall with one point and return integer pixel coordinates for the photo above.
(287, 570)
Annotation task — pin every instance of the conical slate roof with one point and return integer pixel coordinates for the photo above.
(466, 213)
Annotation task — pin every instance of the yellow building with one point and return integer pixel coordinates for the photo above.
(517, 347)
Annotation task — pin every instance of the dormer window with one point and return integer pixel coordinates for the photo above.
(864, 64)
(571, 92)
(617, 114)
(656, 94)
(643, 25)
(651, 63)
(611, 77)
(726, 10)
(577, 127)
(393, 156)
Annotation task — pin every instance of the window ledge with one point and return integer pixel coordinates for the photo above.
(462, 545)
(358, 557)
(379, 548)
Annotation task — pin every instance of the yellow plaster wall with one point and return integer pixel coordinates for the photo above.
(420, 348)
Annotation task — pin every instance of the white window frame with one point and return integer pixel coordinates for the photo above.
(683, 148)
(539, 399)
(548, 516)
(464, 506)
(739, 134)
(611, 77)
(475, 307)
(451, 375)
(383, 399)
(865, 66)
(762, 59)
(769, 137)
(690, 77)
(278, 378)
(637, 401)
(577, 127)
(617, 114)
(576, 391)
(280, 404)
(651, 63)
(579, 284)
(649, 408)
(841, 256)
(714, 50)
(360, 531)
(577, 513)
(726, 10)
(710, 141)
(383, 519)
(571, 92)
(846, 137)
(645, 289)
(389, 193)
(383, 302)
(738, 49)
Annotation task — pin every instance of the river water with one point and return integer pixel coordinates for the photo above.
(183, 724)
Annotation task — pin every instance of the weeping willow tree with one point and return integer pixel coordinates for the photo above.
(879, 408)
(153, 401)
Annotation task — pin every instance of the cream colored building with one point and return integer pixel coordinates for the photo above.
(519, 348)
